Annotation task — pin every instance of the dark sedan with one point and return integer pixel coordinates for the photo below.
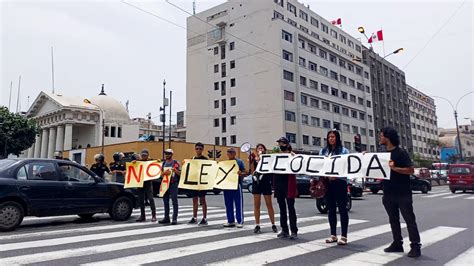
(303, 184)
(43, 187)
(417, 184)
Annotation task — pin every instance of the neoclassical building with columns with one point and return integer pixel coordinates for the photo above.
(71, 123)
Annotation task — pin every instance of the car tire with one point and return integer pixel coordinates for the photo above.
(424, 189)
(121, 209)
(464, 191)
(250, 188)
(374, 190)
(86, 216)
(11, 215)
(321, 205)
(453, 191)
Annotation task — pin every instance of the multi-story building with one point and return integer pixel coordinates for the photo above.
(258, 70)
(424, 126)
(390, 97)
(449, 142)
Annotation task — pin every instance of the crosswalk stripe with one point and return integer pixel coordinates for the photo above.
(472, 197)
(438, 195)
(75, 252)
(98, 228)
(206, 247)
(274, 255)
(464, 259)
(377, 256)
(454, 196)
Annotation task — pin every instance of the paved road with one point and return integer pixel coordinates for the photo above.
(446, 223)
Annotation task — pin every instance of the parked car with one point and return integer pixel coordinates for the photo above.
(417, 184)
(157, 183)
(46, 187)
(247, 183)
(461, 177)
(303, 184)
(355, 187)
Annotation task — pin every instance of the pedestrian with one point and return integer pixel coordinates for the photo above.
(117, 167)
(146, 192)
(99, 168)
(232, 197)
(336, 195)
(397, 195)
(261, 185)
(285, 193)
(199, 195)
(58, 155)
(172, 191)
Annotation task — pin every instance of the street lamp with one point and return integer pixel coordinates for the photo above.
(103, 123)
(394, 52)
(362, 30)
(455, 109)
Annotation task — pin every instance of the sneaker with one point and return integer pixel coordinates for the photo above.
(192, 221)
(294, 236)
(283, 234)
(274, 228)
(257, 229)
(153, 219)
(394, 248)
(203, 222)
(174, 222)
(164, 221)
(229, 225)
(414, 252)
(240, 225)
(141, 219)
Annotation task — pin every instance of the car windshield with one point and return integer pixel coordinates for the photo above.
(4, 163)
(460, 170)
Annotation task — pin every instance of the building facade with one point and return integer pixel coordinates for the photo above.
(448, 140)
(259, 70)
(424, 125)
(390, 97)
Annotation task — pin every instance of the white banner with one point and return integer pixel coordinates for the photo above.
(353, 165)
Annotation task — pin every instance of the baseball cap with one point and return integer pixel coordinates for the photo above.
(169, 151)
(283, 140)
(144, 152)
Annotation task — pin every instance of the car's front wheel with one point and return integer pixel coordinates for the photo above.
(121, 209)
(11, 215)
(453, 191)
(424, 189)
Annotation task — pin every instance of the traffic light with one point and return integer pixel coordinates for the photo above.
(358, 143)
(218, 154)
(210, 154)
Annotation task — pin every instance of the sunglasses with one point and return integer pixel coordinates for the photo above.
(198, 148)
(168, 153)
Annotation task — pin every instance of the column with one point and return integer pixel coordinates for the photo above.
(60, 138)
(51, 142)
(68, 137)
(31, 151)
(37, 153)
(44, 143)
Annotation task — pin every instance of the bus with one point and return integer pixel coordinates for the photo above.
(439, 170)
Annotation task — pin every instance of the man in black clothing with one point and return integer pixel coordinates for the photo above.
(117, 167)
(397, 195)
(99, 168)
(146, 192)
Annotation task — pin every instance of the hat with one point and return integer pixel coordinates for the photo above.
(283, 140)
(231, 150)
(169, 151)
(144, 152)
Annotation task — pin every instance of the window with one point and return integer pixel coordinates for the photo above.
(232, 82)
(233, 120)
(351, 83)
(313, 84)
(216, 122)
(345, 111)
(342, 38)
(73, 173)
(342, 63)
(363, 131)
(287, 56)
(350, 67)
(224, 127)
(288, 75)
(119, 132)
(290, 116)
(314, 103)
(346, 128)
(278, 15)
(223, 107)
(223, 72)
(302, 80)
(112, 131)
(233, 101)
(361, 116)
(359, 71)
(278, 2)
(324, 88)
(347, 145)
(323, 70)
(302, 62)
(369, 117)
(326, 123)
(325, 106)
(106, 131)
(289, 96)
(312, 66)
(333, 75)
(216, 68)
(360, 101)
(21, 174)
(216, 86)
(333, 58)
(314, 22)
(233, 139)
(336, 125)
(369, 104)
(301, 43)
(344, 95)
(352, 98)
(303, 15)
(358, 48)
(291, 137)
(304, 99)
(355, 130)
(322, 53)
(304, 119)
(317, 141)
(291, 8)
(216, 140)
(334, 34)
(366, 74)
(216, 104)
(303, 28)
(354, 114)
(223, 88)
(334, 92)
(222, 52)
(305, 140)
(232, 64)
(216, 50)
(324, 28)
(315, 121)
(286, 36)
(336, 109)
(224, 141)
(371, 133)
(291, 22)
(231, 46)
(41, 171)
(312, 48)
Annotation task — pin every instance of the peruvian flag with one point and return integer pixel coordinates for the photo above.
(376, 36)
(336, 21)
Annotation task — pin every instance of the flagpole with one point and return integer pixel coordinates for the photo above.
(383, 44)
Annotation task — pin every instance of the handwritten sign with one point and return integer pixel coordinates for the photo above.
(206, 175)
(227, 177)
(139, 172)
(165, 182)
(348, 165)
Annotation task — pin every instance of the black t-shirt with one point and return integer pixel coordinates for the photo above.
(100, 169)
(202, 157)
(117, 166)
(398, 183)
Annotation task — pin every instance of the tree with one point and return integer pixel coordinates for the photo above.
(17, 133)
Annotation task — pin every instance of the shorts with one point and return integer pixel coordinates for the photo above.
(263, 187)
(197, 193)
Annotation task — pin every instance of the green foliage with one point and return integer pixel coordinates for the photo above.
(17, 133)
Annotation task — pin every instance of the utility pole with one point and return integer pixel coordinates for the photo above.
(169, 133)
(163, 118)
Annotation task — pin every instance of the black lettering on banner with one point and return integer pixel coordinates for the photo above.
(262, 162)
(309, 162)
(349, 165)
(186, 178)
(334, 158)
(276, 162)
(226, 173)
(378, 167)
(203, 173)
(301, 164)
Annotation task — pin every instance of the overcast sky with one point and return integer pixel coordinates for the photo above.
(132, 52)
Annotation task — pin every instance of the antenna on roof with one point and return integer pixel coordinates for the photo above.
(194, 7)
(18, 96)
(102, 92)
(126, 105)
(52, 68)
(10, 99)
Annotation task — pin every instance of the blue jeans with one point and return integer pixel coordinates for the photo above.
(231, 197)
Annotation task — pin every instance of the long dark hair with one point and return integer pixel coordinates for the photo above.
(252, 155)
(391, 134)
(338, 148)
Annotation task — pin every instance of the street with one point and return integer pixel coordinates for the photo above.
(445, 221)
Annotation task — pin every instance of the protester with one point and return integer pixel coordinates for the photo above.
(146, 192)
(197, 194)
(99, 168)
(261, 185)
(285, 193)
(397, 195)
(232, 197)
(336, 195)
(172, 189)
(117, 167)
(58, 155)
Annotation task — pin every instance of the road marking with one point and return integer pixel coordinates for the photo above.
(466, 258)
(438, 195)
(472, 197)
(168, 254)
(377, 256)
(274, 255)
(454, 196)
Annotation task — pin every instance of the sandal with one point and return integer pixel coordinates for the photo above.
(332, 239)
(342, 241)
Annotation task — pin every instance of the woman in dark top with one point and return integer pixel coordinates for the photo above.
(261, 185)
(336, 195)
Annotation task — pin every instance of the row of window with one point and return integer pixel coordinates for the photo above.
(423, 118)
(223, 122)
(424, 129)
(316, 141)
(425, 150)
(223, 86)
(223, 104)
(223, 140)
(424, 139)
(423, 108)
(113, 131)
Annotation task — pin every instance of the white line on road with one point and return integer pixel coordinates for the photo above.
(438, 195)
(464, 259)
(454, 196)
(470, 197)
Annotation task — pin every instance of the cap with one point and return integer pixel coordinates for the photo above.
(283, 140)
(231, 150)
(169, 151)
(144, 152)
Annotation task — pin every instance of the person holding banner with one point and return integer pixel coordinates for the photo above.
(235, 196)
(336, 195)
(171, 169)
(285, 192)
(199, 194)
(261, 185)
(397, 195)
(146, 192)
